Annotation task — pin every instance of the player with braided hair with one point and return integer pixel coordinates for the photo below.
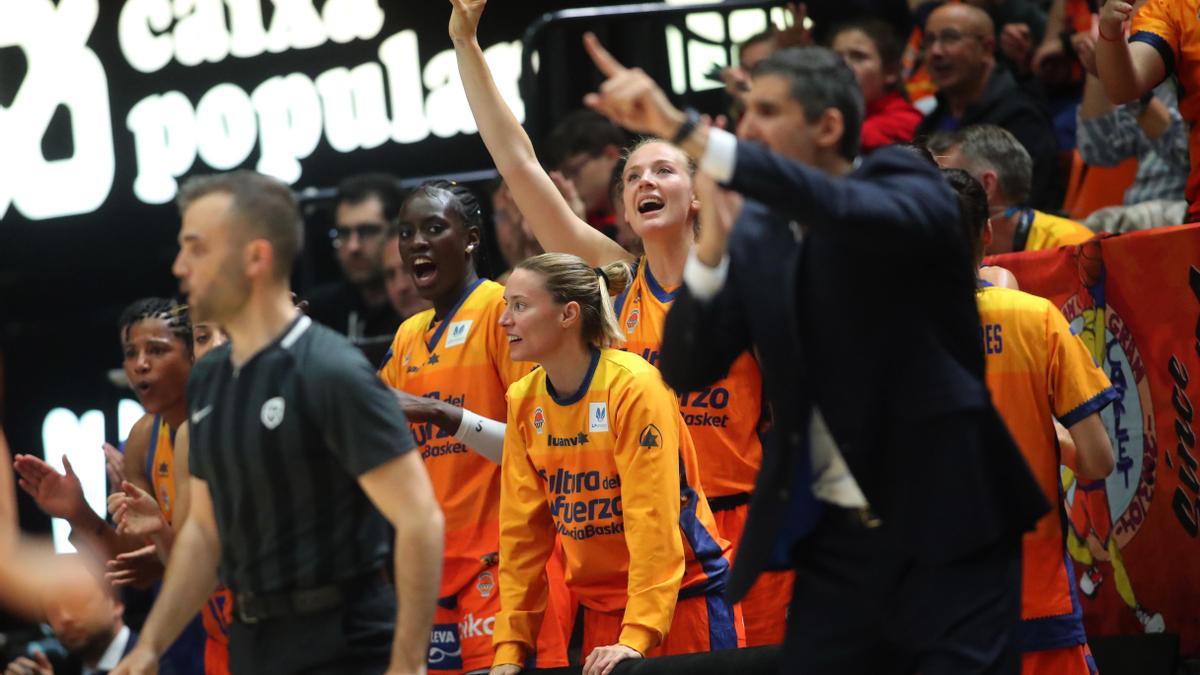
(156, 341)
(443, 360)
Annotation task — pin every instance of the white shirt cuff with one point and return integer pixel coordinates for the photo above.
(702, 281)
(720, 155)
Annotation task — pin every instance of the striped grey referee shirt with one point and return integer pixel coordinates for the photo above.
(281, 442)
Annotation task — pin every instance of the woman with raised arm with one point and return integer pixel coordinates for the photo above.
(661, 207)
(596, 453)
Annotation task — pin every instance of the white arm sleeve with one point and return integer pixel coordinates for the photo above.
(484, 436)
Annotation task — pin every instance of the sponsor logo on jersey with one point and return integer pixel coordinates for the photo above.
(456, 333)
(445, 653)
(473, 626)
(201, 414)
(598, 416)
(485, 584)
(539, 419)
(650, 437)
(566, 441)
(632, 321)
(272, 412)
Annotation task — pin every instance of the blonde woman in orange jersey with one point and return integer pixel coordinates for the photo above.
(444, 359)
(596, 453)
(661, 207)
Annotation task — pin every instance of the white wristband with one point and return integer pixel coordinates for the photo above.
(484, 436)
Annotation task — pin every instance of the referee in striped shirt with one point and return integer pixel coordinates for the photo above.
(296, 451)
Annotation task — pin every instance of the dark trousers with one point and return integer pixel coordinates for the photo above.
(355, 637)
(860, 608)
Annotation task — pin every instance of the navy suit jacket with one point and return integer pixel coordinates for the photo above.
(752, 311)
(885, 334)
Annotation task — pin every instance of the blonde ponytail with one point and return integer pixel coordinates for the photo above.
(569, 279)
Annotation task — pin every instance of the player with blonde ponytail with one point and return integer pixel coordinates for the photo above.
(596, 453)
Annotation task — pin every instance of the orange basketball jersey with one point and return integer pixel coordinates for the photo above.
(463, 360)
(1172, 29)
(723, 419)
(1038, 371)
(160, 466)
(611, 469)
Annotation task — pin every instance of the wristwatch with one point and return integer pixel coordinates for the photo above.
(1138, 107)
(689, 125)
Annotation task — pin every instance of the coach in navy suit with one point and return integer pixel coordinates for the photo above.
(914, 561)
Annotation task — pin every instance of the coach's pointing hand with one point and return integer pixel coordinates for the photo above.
(629, 97)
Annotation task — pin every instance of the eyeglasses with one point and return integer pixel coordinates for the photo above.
(365, 232)
(949, 38)
(571, 168)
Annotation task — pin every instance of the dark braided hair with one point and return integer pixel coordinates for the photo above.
(175, 314)
(464, 201)
(972, 208)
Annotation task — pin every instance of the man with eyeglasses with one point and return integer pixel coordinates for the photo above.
(959, 51)
(357, 305)
(583, 149)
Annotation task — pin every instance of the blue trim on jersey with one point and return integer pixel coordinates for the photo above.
(705, 548)
(1055, 632)
(583, 386)
(657, 289)
(152, 451)
(1160, 45)
(619, 304)
(386, 357)
(219, 615)
(185, 656)
(1092, 405)
(722, 633)
(437, 334)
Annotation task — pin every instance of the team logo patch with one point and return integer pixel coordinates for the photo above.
(164, 468)
(445, 652)
(650, 437)
(539, 419)
(598, 416)
(632, 321)
(456, 333)
(272, 412)
(485, 584)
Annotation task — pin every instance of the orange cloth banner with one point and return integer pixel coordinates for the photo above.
(1134, 299)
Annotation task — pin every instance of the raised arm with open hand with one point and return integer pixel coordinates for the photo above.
(547, 212)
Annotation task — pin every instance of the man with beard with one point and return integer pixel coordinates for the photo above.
(86, 619)
(295, 450)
